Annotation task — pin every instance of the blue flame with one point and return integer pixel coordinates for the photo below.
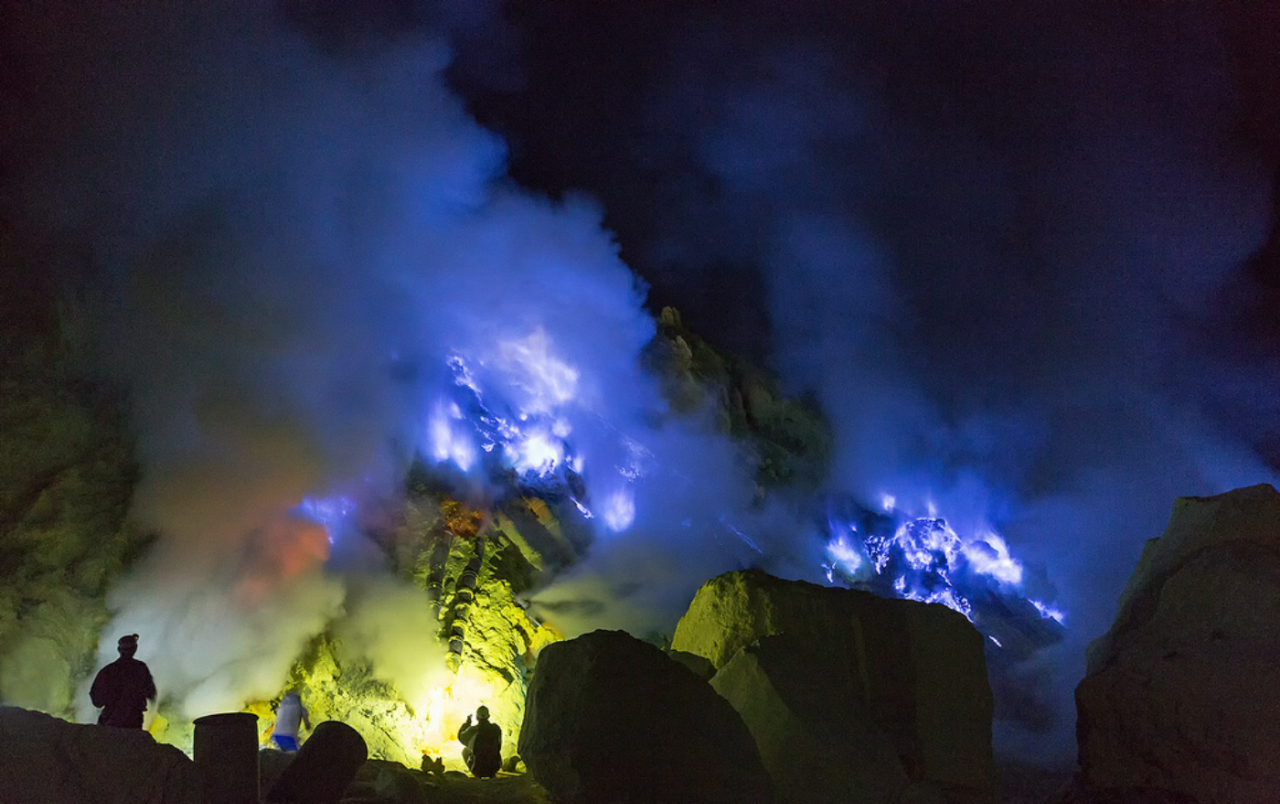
(924, 558)
(619, 511)
(1050, 612)
(507, 411)
(509, 416)
(332, 512)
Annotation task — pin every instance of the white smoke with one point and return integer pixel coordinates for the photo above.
(298, 240)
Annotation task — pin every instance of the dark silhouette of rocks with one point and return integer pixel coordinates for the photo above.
(47, 760)
(323, 767)
(1178, 703)
(610, 718)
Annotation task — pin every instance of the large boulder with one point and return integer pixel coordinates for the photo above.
(909, 680)
(52, 761)
(610, 718)
(815, 733)
(1174, 703)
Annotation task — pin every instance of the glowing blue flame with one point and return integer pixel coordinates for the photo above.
(844, 556)
(619, 510)
(331, 512)
(539, 452)
(511, 406)
(1049, 612)
(448, 438)
(542, 382)
(989, 555)
(925, 559)
(747, 540)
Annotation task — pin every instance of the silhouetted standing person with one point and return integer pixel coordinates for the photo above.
(483, 745)
(121, 689)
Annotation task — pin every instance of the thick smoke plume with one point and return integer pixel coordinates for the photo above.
(299, 235)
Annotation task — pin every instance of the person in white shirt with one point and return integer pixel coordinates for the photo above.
(290, 715)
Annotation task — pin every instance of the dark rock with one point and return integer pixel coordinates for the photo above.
(399, 784)
(923, 793)
(327, 762)
(1174, 707)
(47, 760)
(914, 674)
(701, 666)
(610, 718)
(271, 763)
(815, 733)
(513, 764)
(1077, 792)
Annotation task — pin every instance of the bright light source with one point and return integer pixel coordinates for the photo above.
(529, 365)
(989, 555)
(1049, 612)
(445, 440)
(619, 510)
(845, 556)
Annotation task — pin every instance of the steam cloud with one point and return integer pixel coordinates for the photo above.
(297, 234)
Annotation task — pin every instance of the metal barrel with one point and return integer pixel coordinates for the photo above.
(226, 755)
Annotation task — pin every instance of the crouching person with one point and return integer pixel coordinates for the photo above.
(482, 745)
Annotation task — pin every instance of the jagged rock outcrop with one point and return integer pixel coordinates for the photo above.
(1176, 701)
(910, 677)
(610, 718)
(44, 759)
(786, 440)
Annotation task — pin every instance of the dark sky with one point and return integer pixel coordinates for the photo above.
(609, 99)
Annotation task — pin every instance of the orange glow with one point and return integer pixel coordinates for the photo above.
(284, 549)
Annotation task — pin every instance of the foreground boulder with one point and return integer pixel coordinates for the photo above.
(815, 733)
(52, 761)
(866, 699)
(610, 718)
(1178, 703)
(327, 762)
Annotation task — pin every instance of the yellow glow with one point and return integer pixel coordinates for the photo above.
(157, 726)
(444, 708)
(266, 719)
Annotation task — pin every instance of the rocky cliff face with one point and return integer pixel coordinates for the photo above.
(67, 473)
(1177, 700)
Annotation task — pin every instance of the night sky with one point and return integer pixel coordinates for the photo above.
(1023, 254)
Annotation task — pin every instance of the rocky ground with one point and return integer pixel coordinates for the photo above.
(386, 782)
(381, 782)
